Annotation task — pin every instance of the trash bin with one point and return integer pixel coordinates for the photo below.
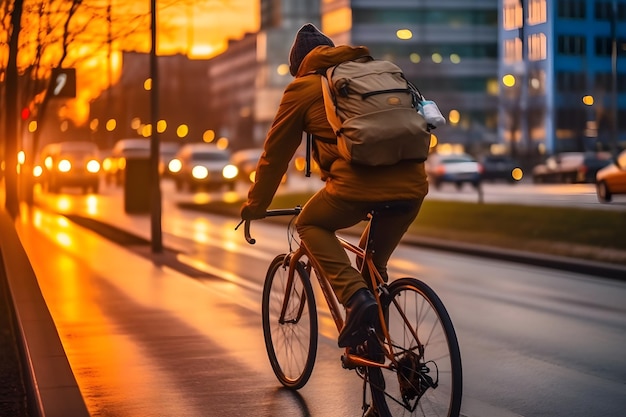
(137, 185)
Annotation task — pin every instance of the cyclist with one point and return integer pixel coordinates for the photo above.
(350, 191)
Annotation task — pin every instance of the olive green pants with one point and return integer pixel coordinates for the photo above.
(324, 214)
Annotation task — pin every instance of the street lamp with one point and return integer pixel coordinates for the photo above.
(155, 186)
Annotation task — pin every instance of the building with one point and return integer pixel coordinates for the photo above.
(232, 92)
(123, 110)
(563, 73)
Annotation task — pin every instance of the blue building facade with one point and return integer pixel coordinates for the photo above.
(563, 76)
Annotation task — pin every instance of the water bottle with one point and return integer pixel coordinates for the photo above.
(429, 110)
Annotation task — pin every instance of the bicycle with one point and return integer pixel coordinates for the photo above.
(411, 361)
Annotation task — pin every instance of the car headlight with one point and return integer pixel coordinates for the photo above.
(175, 165)
(199, 172)
(230, 171)
(93, 166)
(37, 171)
(64, 165)
(106, 164)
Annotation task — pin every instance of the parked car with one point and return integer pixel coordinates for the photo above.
(70, 164)
(246, 161)
(611, 179)
(501, 167)
(114, 164)
(571, 167)
(202, 165)
(455, 168)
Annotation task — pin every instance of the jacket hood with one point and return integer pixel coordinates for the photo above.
(324, 56)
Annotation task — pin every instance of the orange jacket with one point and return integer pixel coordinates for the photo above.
(302, 110)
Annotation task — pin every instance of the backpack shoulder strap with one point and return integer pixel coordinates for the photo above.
(330, 105)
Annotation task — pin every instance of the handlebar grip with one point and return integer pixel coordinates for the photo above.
(246, 232)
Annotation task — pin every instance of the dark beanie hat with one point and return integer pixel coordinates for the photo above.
(307, 39)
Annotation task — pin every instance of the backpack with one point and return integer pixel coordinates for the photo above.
(373, 110)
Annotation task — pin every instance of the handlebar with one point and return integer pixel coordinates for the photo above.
(269, 213)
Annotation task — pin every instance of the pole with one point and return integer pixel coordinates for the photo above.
(155, 187)
(11, 201)
(524, 128)
(614, 111)
(108, 139)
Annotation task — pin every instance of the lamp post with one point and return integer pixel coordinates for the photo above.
(155, 186)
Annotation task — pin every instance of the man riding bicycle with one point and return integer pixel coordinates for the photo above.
(350, 192)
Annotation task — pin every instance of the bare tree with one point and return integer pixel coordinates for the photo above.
(50, 30)
(10, 143)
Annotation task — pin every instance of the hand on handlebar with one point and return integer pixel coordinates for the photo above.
(248, 214)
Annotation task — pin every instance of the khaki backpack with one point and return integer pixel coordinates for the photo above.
(373, 111)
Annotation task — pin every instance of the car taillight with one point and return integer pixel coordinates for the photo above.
(440, 170)
(480, 168)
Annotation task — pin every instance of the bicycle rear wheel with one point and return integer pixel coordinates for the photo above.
(291, 342)
(428, 381)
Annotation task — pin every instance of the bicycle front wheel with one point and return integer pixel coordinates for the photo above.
(289, 323)
(427, 377)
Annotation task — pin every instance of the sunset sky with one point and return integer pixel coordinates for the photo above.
(196, 28)
(202, 28)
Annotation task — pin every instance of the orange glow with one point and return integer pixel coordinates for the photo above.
(198, 29)
(337, 21)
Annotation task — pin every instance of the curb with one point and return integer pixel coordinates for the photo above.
(51, 385)
(601, 269)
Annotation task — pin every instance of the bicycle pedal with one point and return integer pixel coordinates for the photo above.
(346, 363)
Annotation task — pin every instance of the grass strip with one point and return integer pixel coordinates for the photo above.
(584, 233)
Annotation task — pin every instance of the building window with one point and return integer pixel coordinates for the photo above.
(604, 46)
(572, 45)
(567, 81)
(537, 47)
(571, 9)
(512, 50)
(512, 14)
(604, 10)
(456, 18)
(537, 12)
(604, 82)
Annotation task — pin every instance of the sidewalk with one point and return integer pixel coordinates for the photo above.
(51, 389)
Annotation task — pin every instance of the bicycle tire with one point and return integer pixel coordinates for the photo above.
(409, 391)
(291, 346)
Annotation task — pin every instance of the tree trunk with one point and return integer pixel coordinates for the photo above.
(11, 133)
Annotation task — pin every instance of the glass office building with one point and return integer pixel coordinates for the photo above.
(563, 75)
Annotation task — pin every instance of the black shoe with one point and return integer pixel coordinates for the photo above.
(361, 314)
